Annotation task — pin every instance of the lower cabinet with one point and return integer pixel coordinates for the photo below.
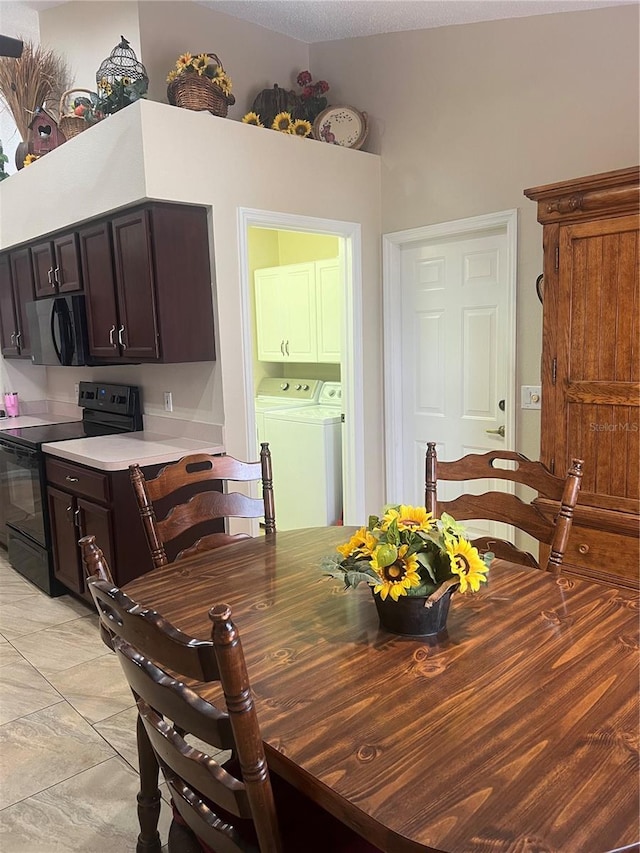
(84, 501)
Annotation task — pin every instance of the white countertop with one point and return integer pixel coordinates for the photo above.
(35, 420)
(117, 452)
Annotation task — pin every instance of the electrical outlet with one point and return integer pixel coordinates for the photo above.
(531, 395)
(76, 391)
(168, 401)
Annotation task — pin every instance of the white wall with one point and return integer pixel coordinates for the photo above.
(466, 117)
(123, 160)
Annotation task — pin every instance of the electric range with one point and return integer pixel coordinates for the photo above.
(24, 516)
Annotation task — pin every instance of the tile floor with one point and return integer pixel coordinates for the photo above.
(68, 766)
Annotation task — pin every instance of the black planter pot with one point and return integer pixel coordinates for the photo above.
(408, 615)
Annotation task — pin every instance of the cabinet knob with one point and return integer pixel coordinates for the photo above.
(298, 387)
(583, 548)
(284, 386)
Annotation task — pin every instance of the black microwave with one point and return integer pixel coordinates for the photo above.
(58, 330)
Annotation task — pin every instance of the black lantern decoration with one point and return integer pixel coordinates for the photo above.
(121, 79)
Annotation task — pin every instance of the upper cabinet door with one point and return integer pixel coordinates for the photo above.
(329, 310)
(44, 265)
(270, 319)
(138, 328)
(23, 292)
(97, 273)
(67, 270)
(56, 265)
(8, 325)
(299, 296)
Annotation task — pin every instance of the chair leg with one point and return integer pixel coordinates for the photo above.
(149, 796)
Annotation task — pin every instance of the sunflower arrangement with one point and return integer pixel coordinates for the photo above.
(408, 552)
(283, 122)
(202, 65)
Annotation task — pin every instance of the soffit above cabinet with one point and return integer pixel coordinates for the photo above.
(153, 151)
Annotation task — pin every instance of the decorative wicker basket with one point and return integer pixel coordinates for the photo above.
(70, 124)
(196, 92)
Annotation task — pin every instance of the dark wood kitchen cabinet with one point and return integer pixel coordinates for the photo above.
(85, 501)
(16, 289)
(147, 277)
(56, 265)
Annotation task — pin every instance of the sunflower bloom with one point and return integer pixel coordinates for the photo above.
(398, 577)
(362, 543)
(29, 159)
(200, 63)
(252, 118)
(222, 80)
(467, 563)
(412, 518)
(171, 76)
(282, 122)
(300, 127)
(184, 61)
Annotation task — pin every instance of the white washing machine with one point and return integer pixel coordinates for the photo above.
(307, 443)
(276, 394)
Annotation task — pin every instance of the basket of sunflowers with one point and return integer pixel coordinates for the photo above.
(200, 83)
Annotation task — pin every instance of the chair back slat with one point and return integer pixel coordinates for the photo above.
(215, 832)
(156, 657)
(179, 702)
(181, 516)
(525, 471)
(204, 506)
(504, 507)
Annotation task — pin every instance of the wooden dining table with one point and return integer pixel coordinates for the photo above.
(513, 731)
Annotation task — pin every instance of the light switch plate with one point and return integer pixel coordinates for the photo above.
(531, 396)
(168, 401)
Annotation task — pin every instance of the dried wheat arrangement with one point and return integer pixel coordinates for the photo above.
(39, 76)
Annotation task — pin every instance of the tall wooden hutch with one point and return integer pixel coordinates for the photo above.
(591, 363)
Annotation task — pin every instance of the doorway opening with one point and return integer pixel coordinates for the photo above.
(301, 294)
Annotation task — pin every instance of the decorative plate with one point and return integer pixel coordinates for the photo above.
(341, 125)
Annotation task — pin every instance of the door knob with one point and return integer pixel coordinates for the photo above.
(499, 431)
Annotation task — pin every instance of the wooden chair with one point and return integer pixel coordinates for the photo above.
(186, 495)
(228, 806)
(508, 508)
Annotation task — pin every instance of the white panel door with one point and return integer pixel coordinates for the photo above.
(454, 356)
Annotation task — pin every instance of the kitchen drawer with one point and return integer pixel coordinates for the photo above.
(80, 481)
(603, 555)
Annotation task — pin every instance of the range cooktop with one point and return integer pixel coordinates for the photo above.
(36, 436)
(108, 409)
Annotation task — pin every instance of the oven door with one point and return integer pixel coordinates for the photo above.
(21, 491)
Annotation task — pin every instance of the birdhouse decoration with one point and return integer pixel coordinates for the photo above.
(120, 79)
(44, 133)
